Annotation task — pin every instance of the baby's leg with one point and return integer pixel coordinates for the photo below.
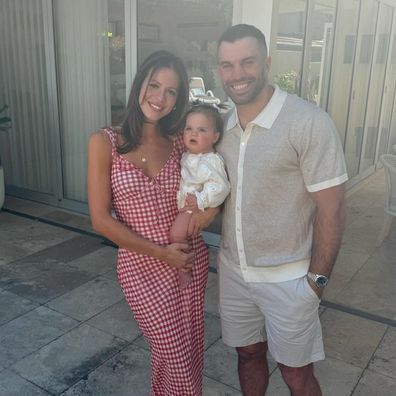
(179, 230)
(179, 234)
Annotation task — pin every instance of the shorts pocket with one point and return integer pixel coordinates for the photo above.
(309, 289)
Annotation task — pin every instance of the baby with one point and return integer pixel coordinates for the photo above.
(204, 182)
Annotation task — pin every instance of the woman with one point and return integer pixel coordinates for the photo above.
(135, 170)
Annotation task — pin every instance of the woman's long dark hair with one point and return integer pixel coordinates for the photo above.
(131, 128)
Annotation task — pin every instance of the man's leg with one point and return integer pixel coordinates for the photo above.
(300, 380)
(253, 369)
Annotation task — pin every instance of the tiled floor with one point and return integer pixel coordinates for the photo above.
(66, 330)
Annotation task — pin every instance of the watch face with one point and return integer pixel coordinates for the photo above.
(321, 281)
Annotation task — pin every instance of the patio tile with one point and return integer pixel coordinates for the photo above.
(117, 320)
(373, 288)
(26, 207)
(127, 373)
(10, 252)
(384, 359)
(48, 284)
(12, 306)
(221, 364)
(335, 377)
(68, 359)
(35, 264)
(89, 299)
(12, 384)
(30, 234)
(212, 330)
(30, 332)
(215, 388)
(98, 262)
(77, 220)
(347, 266)
(212, 295)
(375, 384)
(350, 338)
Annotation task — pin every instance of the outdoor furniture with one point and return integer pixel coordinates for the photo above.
(199, 95)
(389, 162)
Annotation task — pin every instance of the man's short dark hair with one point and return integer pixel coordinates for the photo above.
(240, 31)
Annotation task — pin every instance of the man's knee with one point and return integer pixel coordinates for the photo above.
(252, 352)
(296, 378)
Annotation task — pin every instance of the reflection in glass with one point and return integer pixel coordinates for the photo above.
(362, 68)
(116, 37)
(388, 121)
(344, 54)
(319, 38)
(287, 40)
(192, 34)
(376, 87)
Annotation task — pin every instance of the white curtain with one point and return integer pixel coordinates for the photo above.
(83, 84)
(27, 149)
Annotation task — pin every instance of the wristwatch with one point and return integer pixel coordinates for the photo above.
(319, 280)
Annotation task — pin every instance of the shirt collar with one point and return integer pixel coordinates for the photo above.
(267, 116)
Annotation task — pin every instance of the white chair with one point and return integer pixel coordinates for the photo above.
(389, 162)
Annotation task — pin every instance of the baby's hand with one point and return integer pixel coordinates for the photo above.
(191, 201)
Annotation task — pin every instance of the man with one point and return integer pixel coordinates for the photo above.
(282, 223)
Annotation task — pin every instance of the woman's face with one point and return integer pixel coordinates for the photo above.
(158, 94)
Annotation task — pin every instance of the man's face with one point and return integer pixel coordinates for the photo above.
(243, 69)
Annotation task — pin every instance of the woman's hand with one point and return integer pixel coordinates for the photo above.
(179, 256)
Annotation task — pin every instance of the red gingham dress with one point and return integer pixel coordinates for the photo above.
(171, 320)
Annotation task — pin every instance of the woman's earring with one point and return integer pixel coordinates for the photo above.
(174, 108)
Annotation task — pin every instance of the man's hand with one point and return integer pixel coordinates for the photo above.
(190, 205)
(318, 291)
(200, 220)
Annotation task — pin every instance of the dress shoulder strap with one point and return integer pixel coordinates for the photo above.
(112, 135)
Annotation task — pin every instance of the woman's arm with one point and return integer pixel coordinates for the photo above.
(99, 200)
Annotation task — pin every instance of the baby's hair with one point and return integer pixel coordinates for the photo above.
(210, 112)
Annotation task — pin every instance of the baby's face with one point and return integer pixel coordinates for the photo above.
(199, 134)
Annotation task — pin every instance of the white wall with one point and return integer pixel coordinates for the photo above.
(254, 12)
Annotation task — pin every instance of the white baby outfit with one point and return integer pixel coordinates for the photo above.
(204, 176)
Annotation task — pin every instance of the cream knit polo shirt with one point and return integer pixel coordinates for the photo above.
(289, 150)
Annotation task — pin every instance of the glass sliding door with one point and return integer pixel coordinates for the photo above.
(376, 89)
(318, 51)
(29, 148)
(81, 33)
(360, 86)
(287, 43)
(342, 68)
(192, 35)
(388, 98)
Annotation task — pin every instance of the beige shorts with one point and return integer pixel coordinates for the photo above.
(284, 314)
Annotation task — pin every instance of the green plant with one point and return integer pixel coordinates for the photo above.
(5, 122)
(286, 81)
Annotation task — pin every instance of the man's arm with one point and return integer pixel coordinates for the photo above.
(327, 230)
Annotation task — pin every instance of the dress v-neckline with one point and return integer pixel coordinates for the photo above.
(138, 168)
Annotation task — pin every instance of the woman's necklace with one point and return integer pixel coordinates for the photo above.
(143, 158)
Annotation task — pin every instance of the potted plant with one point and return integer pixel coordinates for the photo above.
(5, 124)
